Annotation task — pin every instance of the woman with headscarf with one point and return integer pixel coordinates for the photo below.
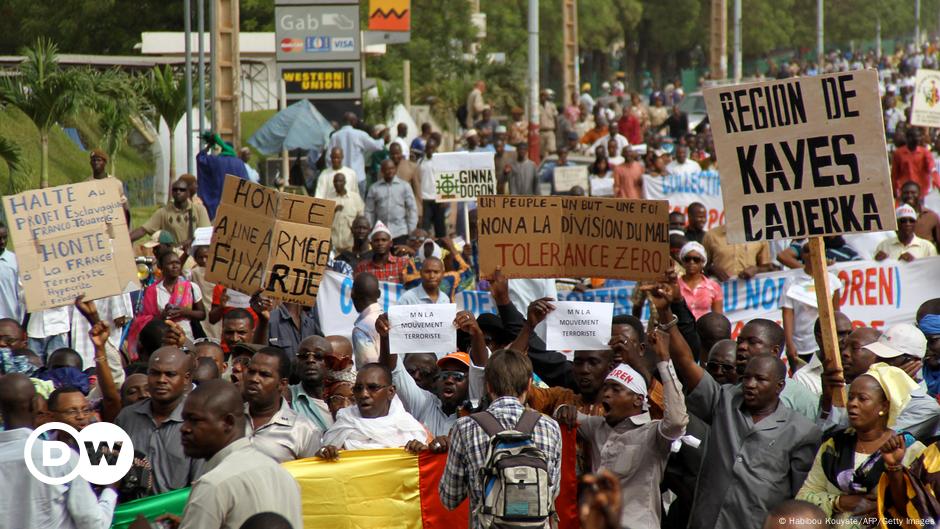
(844, 479)
(701, 293)
(173, 298)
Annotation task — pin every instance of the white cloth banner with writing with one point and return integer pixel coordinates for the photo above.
(422, 328)
(683, 189)
(875, 294)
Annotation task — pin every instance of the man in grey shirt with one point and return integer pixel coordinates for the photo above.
(758, 452)
(521, 174)
(392, 201)
(271, 426)
(154, 424)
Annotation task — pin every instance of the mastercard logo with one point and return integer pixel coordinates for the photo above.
(292, 45)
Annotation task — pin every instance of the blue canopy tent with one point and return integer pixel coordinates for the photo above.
(299, 126)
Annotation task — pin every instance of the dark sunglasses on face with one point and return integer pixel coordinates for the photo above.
(458, 376)
(724, 368)
(691, 259)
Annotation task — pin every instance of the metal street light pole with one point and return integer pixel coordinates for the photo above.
(737, 42)
(534, 80)
(820, 21)
(187, 34)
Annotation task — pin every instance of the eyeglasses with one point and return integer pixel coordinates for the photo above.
(310, 355)
(458, 376)
(692, 259)
(75, 412)
(723, 368)
(339, 399)
(370, 388)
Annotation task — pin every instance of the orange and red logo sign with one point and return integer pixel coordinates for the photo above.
(390, 15)
(292, 45)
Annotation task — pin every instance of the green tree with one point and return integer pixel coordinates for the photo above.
(45, 93)
(117, 104)
(165, 93)
(12, 156)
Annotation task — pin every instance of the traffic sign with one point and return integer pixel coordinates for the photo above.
(317, 32)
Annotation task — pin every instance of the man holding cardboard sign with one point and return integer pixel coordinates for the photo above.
(275, 243)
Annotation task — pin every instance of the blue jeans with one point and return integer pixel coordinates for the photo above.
(48, 345)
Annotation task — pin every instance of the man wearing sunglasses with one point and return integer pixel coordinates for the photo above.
(439, 409)
(721, 362)
(180, 217)
(905, 245)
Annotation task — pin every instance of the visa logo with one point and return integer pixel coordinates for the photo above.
(344, 43)
(317, 44)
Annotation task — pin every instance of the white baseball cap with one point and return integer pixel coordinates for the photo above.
(901, 339)
(905, 212)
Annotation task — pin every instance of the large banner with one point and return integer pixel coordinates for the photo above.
(802, 157)
(71, 240)
(926, 107)
(533, 236)
(873, 294)
(276, 243)
(681, 190)
(386, 488)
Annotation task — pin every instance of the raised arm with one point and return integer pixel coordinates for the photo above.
(690, 373)
(675, 416)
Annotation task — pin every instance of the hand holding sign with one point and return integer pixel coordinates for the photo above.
(578, 325)
(422, 328)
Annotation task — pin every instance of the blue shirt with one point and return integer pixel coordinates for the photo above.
(11, 306)
(418, 296)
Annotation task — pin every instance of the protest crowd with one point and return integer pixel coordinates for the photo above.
(693, 411)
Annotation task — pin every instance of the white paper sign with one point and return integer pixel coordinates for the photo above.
(926, 111)
(602, 187)
(463, 176)
(578, 325)
(202, 236)
(423, 328)
(569, 176)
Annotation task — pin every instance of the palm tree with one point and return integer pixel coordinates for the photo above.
(45, 93)
(117, 103)
(10, 154)
(166, 94)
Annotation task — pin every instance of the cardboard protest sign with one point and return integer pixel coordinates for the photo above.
(570, 176)
(71, 240)
(802, 157)
(578, 325)
(573, 237)
(463, 176)
(422, 328)
(926, 108)
(278, 243)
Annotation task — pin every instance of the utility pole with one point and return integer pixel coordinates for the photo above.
(917, 23)
(569, 24)
(878, 35)
(534, 81)
(820, 21)
(226, 70)
(718, 40)
(188, 47)
(738, 70)
(201, 28)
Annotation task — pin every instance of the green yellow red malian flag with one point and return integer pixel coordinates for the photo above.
(387, 488)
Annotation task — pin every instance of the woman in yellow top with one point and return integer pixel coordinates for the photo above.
(844, 479)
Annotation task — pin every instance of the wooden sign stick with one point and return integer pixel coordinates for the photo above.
(827, 320)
